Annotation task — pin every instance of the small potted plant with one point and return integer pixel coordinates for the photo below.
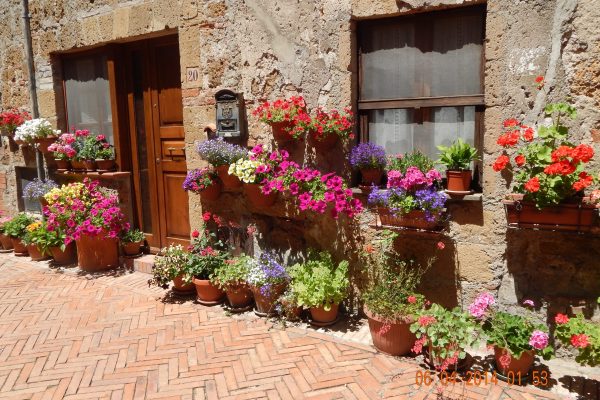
(132, 241)
(290, 309)
(321, 285)
(208, 253)
(268, 279)
(38, 239)
(38, 130)
(232, 278)
(283, 117)
(171, 265)
(445, 334)
(78, 142)
(92, 145)
(10, 120)
(16, 229)
(221, 154)
(458, 158)
(328, 127)
(370, 160)
(516, 338)
(4, 238)
(62, 252)
(63, 151)
(205, 182)
(105, 155)
(37, 189)
(580, 334)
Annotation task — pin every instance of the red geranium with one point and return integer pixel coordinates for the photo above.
(501, 163)
(584, 181)
(580, 341)
(561, 319)
(533, 185)
(520, 160)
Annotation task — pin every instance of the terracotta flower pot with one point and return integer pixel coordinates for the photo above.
(212, 192)
(256, 198)
(63, 165)
(182, 287)
(320, 316)
(229, 181)
(20, 142)
(458, 180)
(90, 165)
(20, 248)
(280, 131)
(132, 249)
(265, 303)
(414, 219)
(97, 253)
(77, 165)
(105, 165)
(66, 256)
(371, 176)
(207, 293)
(35, 253)
(6, 242)
(391, 337)
(517, 367)
(326, 143)
(44, 143)
(239, 296)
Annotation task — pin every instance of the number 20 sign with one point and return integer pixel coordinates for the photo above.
(193, 74)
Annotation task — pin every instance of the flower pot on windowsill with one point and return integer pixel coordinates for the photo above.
(97, 253)
(6, 242)
(132, 248)
(517, 367)
(392, 337)
(64, 257)
(574, 216)
(36, 254)
(325, 143)
(239, 296)
(18, 246)
(105, 165)
(280, 131)
(207, 293)
(213, 192)
(44, 143)
(229, 181)
(256, 197)
(265, 303)
(371, 176)
(458, 180)
(62, 165)
(414, 219)
(323, 317)
(78, 165)
(90, 165)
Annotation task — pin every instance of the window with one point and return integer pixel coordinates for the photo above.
(421, 80)
(87, 94)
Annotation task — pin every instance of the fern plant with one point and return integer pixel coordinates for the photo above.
(458, 156)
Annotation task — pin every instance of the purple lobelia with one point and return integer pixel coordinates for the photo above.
(219, 152)
(367, 156)
(266, 272)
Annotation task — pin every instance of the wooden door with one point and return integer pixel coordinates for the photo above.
(158, 141)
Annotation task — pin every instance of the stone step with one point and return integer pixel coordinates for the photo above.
(140, 264)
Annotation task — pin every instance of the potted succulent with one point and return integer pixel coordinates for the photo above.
(445, 334)
(287, 118)
(132, 241)
(320, 285)
(10, 120)
(221, 154)
(38, 130)
(328, 127)
(370, 160)
(232, 278)
(550, 174)
(268, 279)
(63, 151)
(458, 158)
(171, 265)
(580, 334)
(205, 182)
(16, 229)
(105, 155)
(37, 238)
(4, 238)
(37, 189)
(516, 338)
(411, 199)
(208, 253)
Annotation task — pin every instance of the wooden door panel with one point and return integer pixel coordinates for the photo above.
(168, 77)
(178, 223)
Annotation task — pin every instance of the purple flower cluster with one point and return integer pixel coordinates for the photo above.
(197, 180)
(219, 152)
(38, 188)
(367, 156)
(267, 272)
(431, 201)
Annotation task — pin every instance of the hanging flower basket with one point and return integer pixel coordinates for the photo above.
(415, 219)
(229, 181)
(212, 192)
(325, 143)
(578, 216)
(256, 197)
(97, 253)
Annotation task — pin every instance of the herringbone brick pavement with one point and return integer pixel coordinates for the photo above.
(64, 335)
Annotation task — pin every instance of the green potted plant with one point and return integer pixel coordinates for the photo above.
(132, 241)
(37, 238)
(37, 189)
(205, 182)
(458, 158)
(171, 265)
(320, 285)
(291, 309)
(221, 154)
(232, 277)
(445, 334)
(89, 151)
(580, 334)
(16, 229)
(64, 150)
(516, 338)
(268, 279)
(4, 238)
(105, 155)
(62, 253)
(208, 253)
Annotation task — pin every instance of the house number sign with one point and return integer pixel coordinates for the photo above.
(193, 74)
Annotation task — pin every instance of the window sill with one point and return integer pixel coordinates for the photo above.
(95, 174)
(475, 197)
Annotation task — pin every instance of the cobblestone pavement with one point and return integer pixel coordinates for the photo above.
(109, 336)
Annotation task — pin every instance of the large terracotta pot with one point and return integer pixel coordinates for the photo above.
(518, 367)
(6, 242)
(280, 131)
(257, 198)
(371, 176)
(239, 296)
(90, 165)
(458, 180)
(414, 219)
(391, 337)
(132, 249)
(207, 293)
(78, 165)
(35, 253)
(105, 165)
(265, 304)
(20, 248)
(66, 256)
(97, 253)
(577, 216)
(327, 143)
(182, 287)
(44, 143)
(229, 181)
(63, 165)
(320, 316)
(212, 192)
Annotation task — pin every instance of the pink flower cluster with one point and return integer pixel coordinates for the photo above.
(63, 148)
(414, 179)
(481, 304)
(538, 340)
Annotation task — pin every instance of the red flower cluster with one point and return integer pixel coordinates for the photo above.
(520, 160)
(291, 111)
(501, 163)
(584, 181)
(533, 185)
(514, 131)
(561, 319)
(12, 119)
(426, 320)
(580, 341)
(332, 123)
(540, 81)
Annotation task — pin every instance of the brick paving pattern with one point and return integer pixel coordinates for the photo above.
(71, 336)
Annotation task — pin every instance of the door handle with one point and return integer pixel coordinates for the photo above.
(157, 160)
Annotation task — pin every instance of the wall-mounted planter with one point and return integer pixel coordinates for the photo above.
(412, 220)
(212, 192)
(256, 197)
(229, 181)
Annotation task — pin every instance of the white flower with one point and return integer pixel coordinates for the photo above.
(35, 129)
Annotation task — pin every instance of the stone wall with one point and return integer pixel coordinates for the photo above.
(271, 49)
